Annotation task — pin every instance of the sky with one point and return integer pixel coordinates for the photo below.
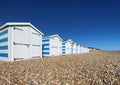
(91, 23)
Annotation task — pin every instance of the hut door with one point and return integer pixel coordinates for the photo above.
(35, 47)
(21, 42)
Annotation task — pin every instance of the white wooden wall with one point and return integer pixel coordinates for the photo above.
(74, 48)
(55, 46)
(78, 49)
(84, 49)
(68, 47)
(27, 42)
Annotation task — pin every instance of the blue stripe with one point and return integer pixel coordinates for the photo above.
(3, 47)
(63, 52)
(3, 55)
(4, 40)
(3, 32)
(45, 53)
(46, 48)
(47, 40)
(45, 44)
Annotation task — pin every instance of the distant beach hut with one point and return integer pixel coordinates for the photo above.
(52, 45)
(84, 49)
(74, 48)
(20, 41)
(78, 49)
(66, 47)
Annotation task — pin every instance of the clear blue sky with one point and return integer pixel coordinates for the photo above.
(94, 23)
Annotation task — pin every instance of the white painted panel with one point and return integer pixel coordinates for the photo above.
(4, 43)
(34, 51)
(68, 48)
(78, 49)
(4, 36)
(10, 43)
(84, 49)
(45, 42)
(3, 51)
(34, 40)
(74, 48)
(55, 46)
(45, 50)
(20, 51)
(27, 35)
(21, 36)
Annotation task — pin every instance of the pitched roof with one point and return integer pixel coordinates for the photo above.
(56, 35)
(20, 24)
(69, 40)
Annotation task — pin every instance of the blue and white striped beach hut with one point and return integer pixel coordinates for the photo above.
(52, 45)
(67, 47)
(74, 48)
(20, 41)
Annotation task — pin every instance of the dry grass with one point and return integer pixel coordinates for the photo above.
(95, 68)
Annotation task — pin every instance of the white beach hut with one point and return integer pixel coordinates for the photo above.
(52, 45)
(74, 48)
(84, 49)
(78, 49)
(66, 47)
(20, 41)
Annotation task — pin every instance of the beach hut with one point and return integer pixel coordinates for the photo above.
(52, 45)
(78, 49)
(92, 49)
(66, 47)
(84, 49)
(74, 47)
(20, 40)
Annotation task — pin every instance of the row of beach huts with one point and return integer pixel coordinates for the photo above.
(19, 40)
